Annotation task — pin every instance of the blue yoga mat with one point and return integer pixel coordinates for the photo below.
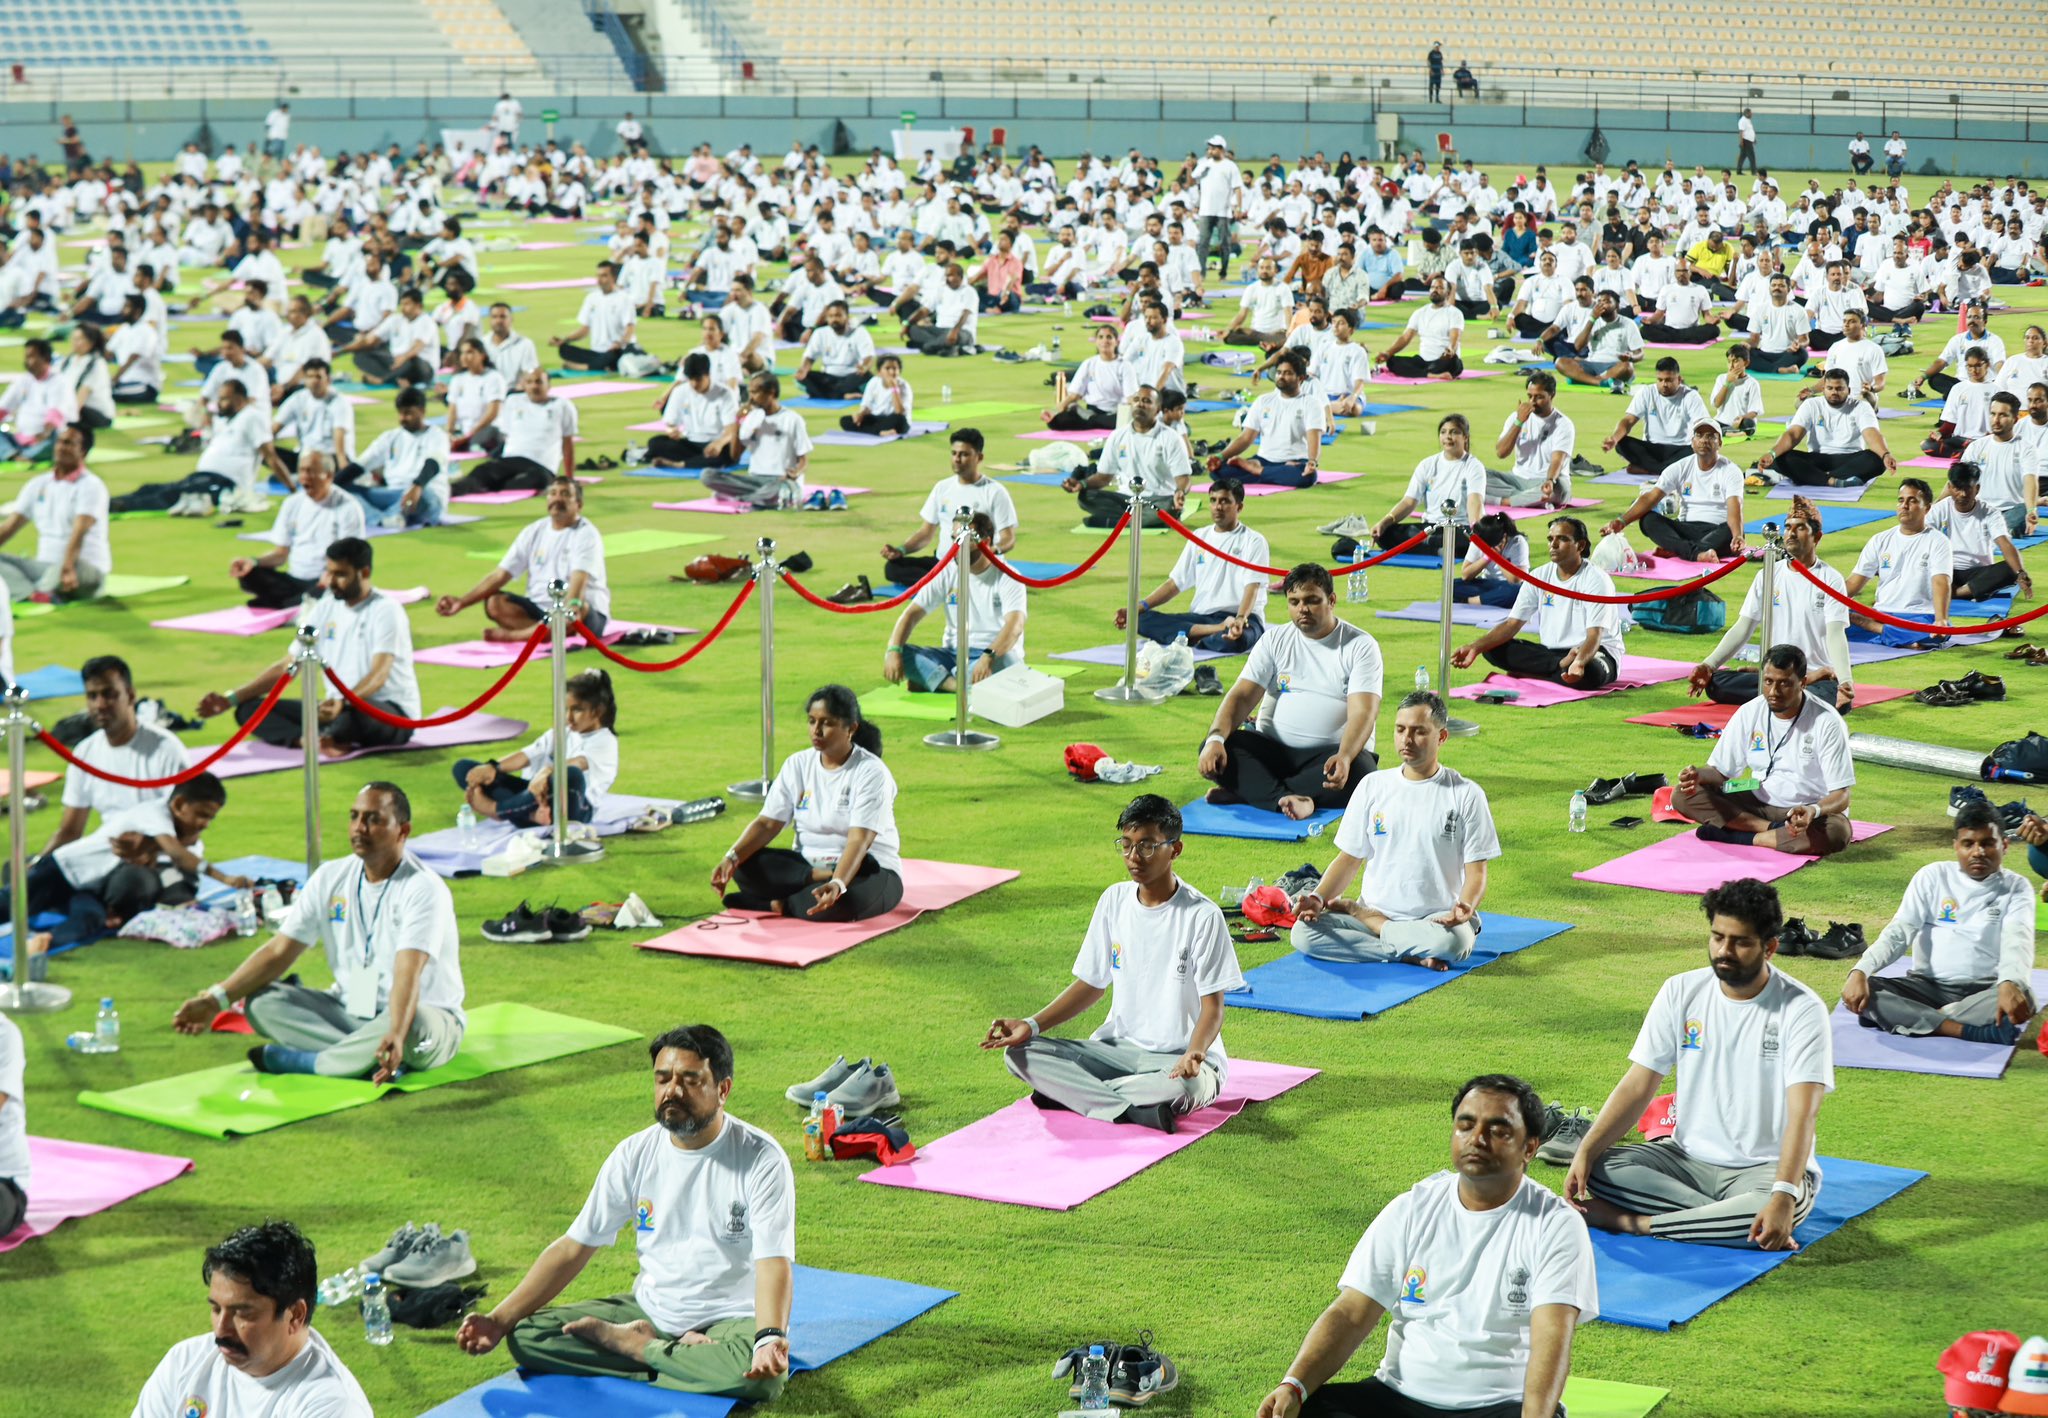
(1041, 569)
(1834, 519)
(1327, 989)
(46, 921)
(2029, 543)
(1207, 819)
(1210, 406)
(1656, 1284)
(1035, 479)
(52, 682)
(693, 474)
(804, 401)
(1427, 561)
(214, 893)
(833, 1314)
(1996, 608)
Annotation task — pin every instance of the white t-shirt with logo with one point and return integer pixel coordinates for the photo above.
(1433, 326)
(151, 753)
(994, 597)
(700, 1219)
(1704, 491)
(2002, 470)
(949, 495)
(1958, 930)
(1834, 430)
(352, 637)
(1562, 621)
(194, 1379)
(358, 923)
(1308, 682)
(307, 528)
(1415, 839)
(1905, 567)
(1217, 585)
(543, 553)
(1158, 962)
(1460, 1286)
(1796, 761)
(825, 804)
(776, 441)
(55, 504)
(1666, 418)
(1734, 1059)
(1540, 438)
(535, 431)
(1801, 613)
(1287, 428)
(1439, 478)
(1271, 306)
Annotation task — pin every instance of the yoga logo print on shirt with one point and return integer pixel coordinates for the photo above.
(1948, 911)
(1379, 824)
(195, 1407)
(1413, 1285)
(1116, 956)
(1281, 685)
(337, 911)
(737, 1226)
(643, 1216)
(1693, 1028)
(1450, 824)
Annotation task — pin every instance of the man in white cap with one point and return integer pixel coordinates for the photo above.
(1221, 188)
(1709, 489)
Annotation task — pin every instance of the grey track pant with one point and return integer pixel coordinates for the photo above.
(1512, 489)
(300, 1018)
(1687, 1199)
(1337, 936)
(1100, 1078)
(1917, 1004)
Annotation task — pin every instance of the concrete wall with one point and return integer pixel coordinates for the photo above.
(1490, 133)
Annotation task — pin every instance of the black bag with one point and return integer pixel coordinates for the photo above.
(1694, 613)
(2028, 755)
(435, 1306)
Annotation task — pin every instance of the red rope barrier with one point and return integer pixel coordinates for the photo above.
(870, 607)
(241, 732)
(1065, 576)
(703, 643)
(1882, 618)
(399, 721)
(1344, 568)
(1733, 565)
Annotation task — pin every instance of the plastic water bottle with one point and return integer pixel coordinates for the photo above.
(814, 1128)
(1422, 677)
(247, 917)
(376, 1312)
(1095, 1379)
(1355, 590)
(1998, 773)
(945, 393)
(1578, 810)
(1055, 341)
(106, 1030)
(465, 825)
(338, 1290)
(698, 810)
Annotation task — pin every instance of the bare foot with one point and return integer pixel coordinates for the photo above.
(39, 944)
(1220, 797)
(333, 748)
(1609, 1217)
(500, 635)
(1372, 920)
(628, 1340)
(1428, 962)
(543, 814)
(482, 803)
(1298, 807)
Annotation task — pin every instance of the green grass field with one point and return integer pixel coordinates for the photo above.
(1227, 1251)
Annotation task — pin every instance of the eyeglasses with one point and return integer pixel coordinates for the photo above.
(1143, 851)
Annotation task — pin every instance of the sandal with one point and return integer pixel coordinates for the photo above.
(651, 819)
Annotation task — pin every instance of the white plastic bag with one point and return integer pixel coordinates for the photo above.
(1165, 670)
(1613, 553)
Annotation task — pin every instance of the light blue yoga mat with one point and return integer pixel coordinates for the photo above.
(1206, 819)
(52, 682)
(1835, 519)
(1329, 989)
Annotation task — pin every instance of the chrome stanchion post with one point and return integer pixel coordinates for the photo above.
(559, 848)
(1460, 728)
(1128, 691)
(765, 570)
(312, 690)
(1774, 548)
(960, 736)
(24, 995)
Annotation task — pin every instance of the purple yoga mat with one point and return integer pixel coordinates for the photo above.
(445, 854)
(496, 654)
(448, 519)
(251, 756)
(1687, 866)
(1522, 514)
(1028, 1156)
(1669, 568)
(73, 1179)
(848, 438)
(573, 283)
(248, 620)
(730, 508)
(1324, 477)
(1939, 465)
(1657, 345)
(547, 246)
(1623, 478)
(1485, 617)
(1636, 671)
(494, 499)
(1380, 376)
(1857, 1047)
(1113, 655)
(1785, 492)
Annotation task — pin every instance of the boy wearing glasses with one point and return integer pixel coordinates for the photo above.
(1161, 951)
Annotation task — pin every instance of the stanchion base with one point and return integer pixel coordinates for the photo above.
(1126, 694)
(1462, 728)
(753, 790)
(570, 853)
(33, 997)
(954, 738)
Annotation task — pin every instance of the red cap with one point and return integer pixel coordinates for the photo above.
(1660, 1119)
(1268, 906)
(1081, 760)
(1976, 1366)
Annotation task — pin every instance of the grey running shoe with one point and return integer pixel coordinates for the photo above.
(1562, 1132)
(1138, 1373)
(433, 1261)
(868, 1089)
(1353, 526)
(401, 1244)
(836, 1073)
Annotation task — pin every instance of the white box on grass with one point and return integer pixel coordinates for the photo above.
(1017, 696)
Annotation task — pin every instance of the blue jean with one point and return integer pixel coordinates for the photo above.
(1294, 474)
(926, 667)
(514, 795)
(1487, 592)
(1162, 626)
(2037, 858)
(381, 500)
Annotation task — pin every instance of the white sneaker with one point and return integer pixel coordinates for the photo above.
(521, 852)
(1353, 526)
(1368, 427)
(250, 503)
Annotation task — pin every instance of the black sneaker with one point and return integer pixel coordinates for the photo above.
(1562, 1132)
(1138, 1373)
(1605, 790)
(1206, 680)
(523, 926)
(2011, 815)
(1844, 941)
(564, 925)
(1582, 464)
(1963, 795)
(1795, 937)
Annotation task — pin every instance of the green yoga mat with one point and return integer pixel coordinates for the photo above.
(976, 409)
(1603, 1398)
(130, 423)
(234, 1099)
(630, 543)
(119, 586)
(898, 701)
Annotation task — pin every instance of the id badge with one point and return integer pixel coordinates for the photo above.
(359, 991)
(1745, 784)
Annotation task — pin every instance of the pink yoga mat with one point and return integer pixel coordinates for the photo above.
(1029, 1156)
(1685, 716)
(1522, 514)
(572, 284)
(1669, 568)
(545, 246)
(253, 756)
(594, 388)
(775, 940)
(1380, 376)
(496, 654)
(730, 508)
(1926, 460)
(73, 1179)
(514, 494)
(248, 620)
(1323, 478)
(1636, 671)
(1686, 866)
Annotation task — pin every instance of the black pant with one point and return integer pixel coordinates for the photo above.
(1745, 152)
(1261, 771)
(1740, 686)
(1941, 383)
(1400, 532)
(1764, 361)
(1530, 660)
(591, 359)
(13, 1205)
(1373, 1399)
(135, 393)
(1646, 457)
(1082, 418)
(1683, 539)
(1529, 327)
(876, 423)
(352, 728)
(1416, 367)
(1983, 582)
(909, 570)
(1810, 469)
(162, 497)
(1472, 309)
(778, 876)
(679, 453)
(272, 589)
(820, 385)
(1685, 334)
(377, 366)
(1911, 310)
(502, 475)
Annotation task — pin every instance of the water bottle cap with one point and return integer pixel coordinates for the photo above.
(1095, 1351)
(373, 1277)
(107, 1003)
(820, 1096)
